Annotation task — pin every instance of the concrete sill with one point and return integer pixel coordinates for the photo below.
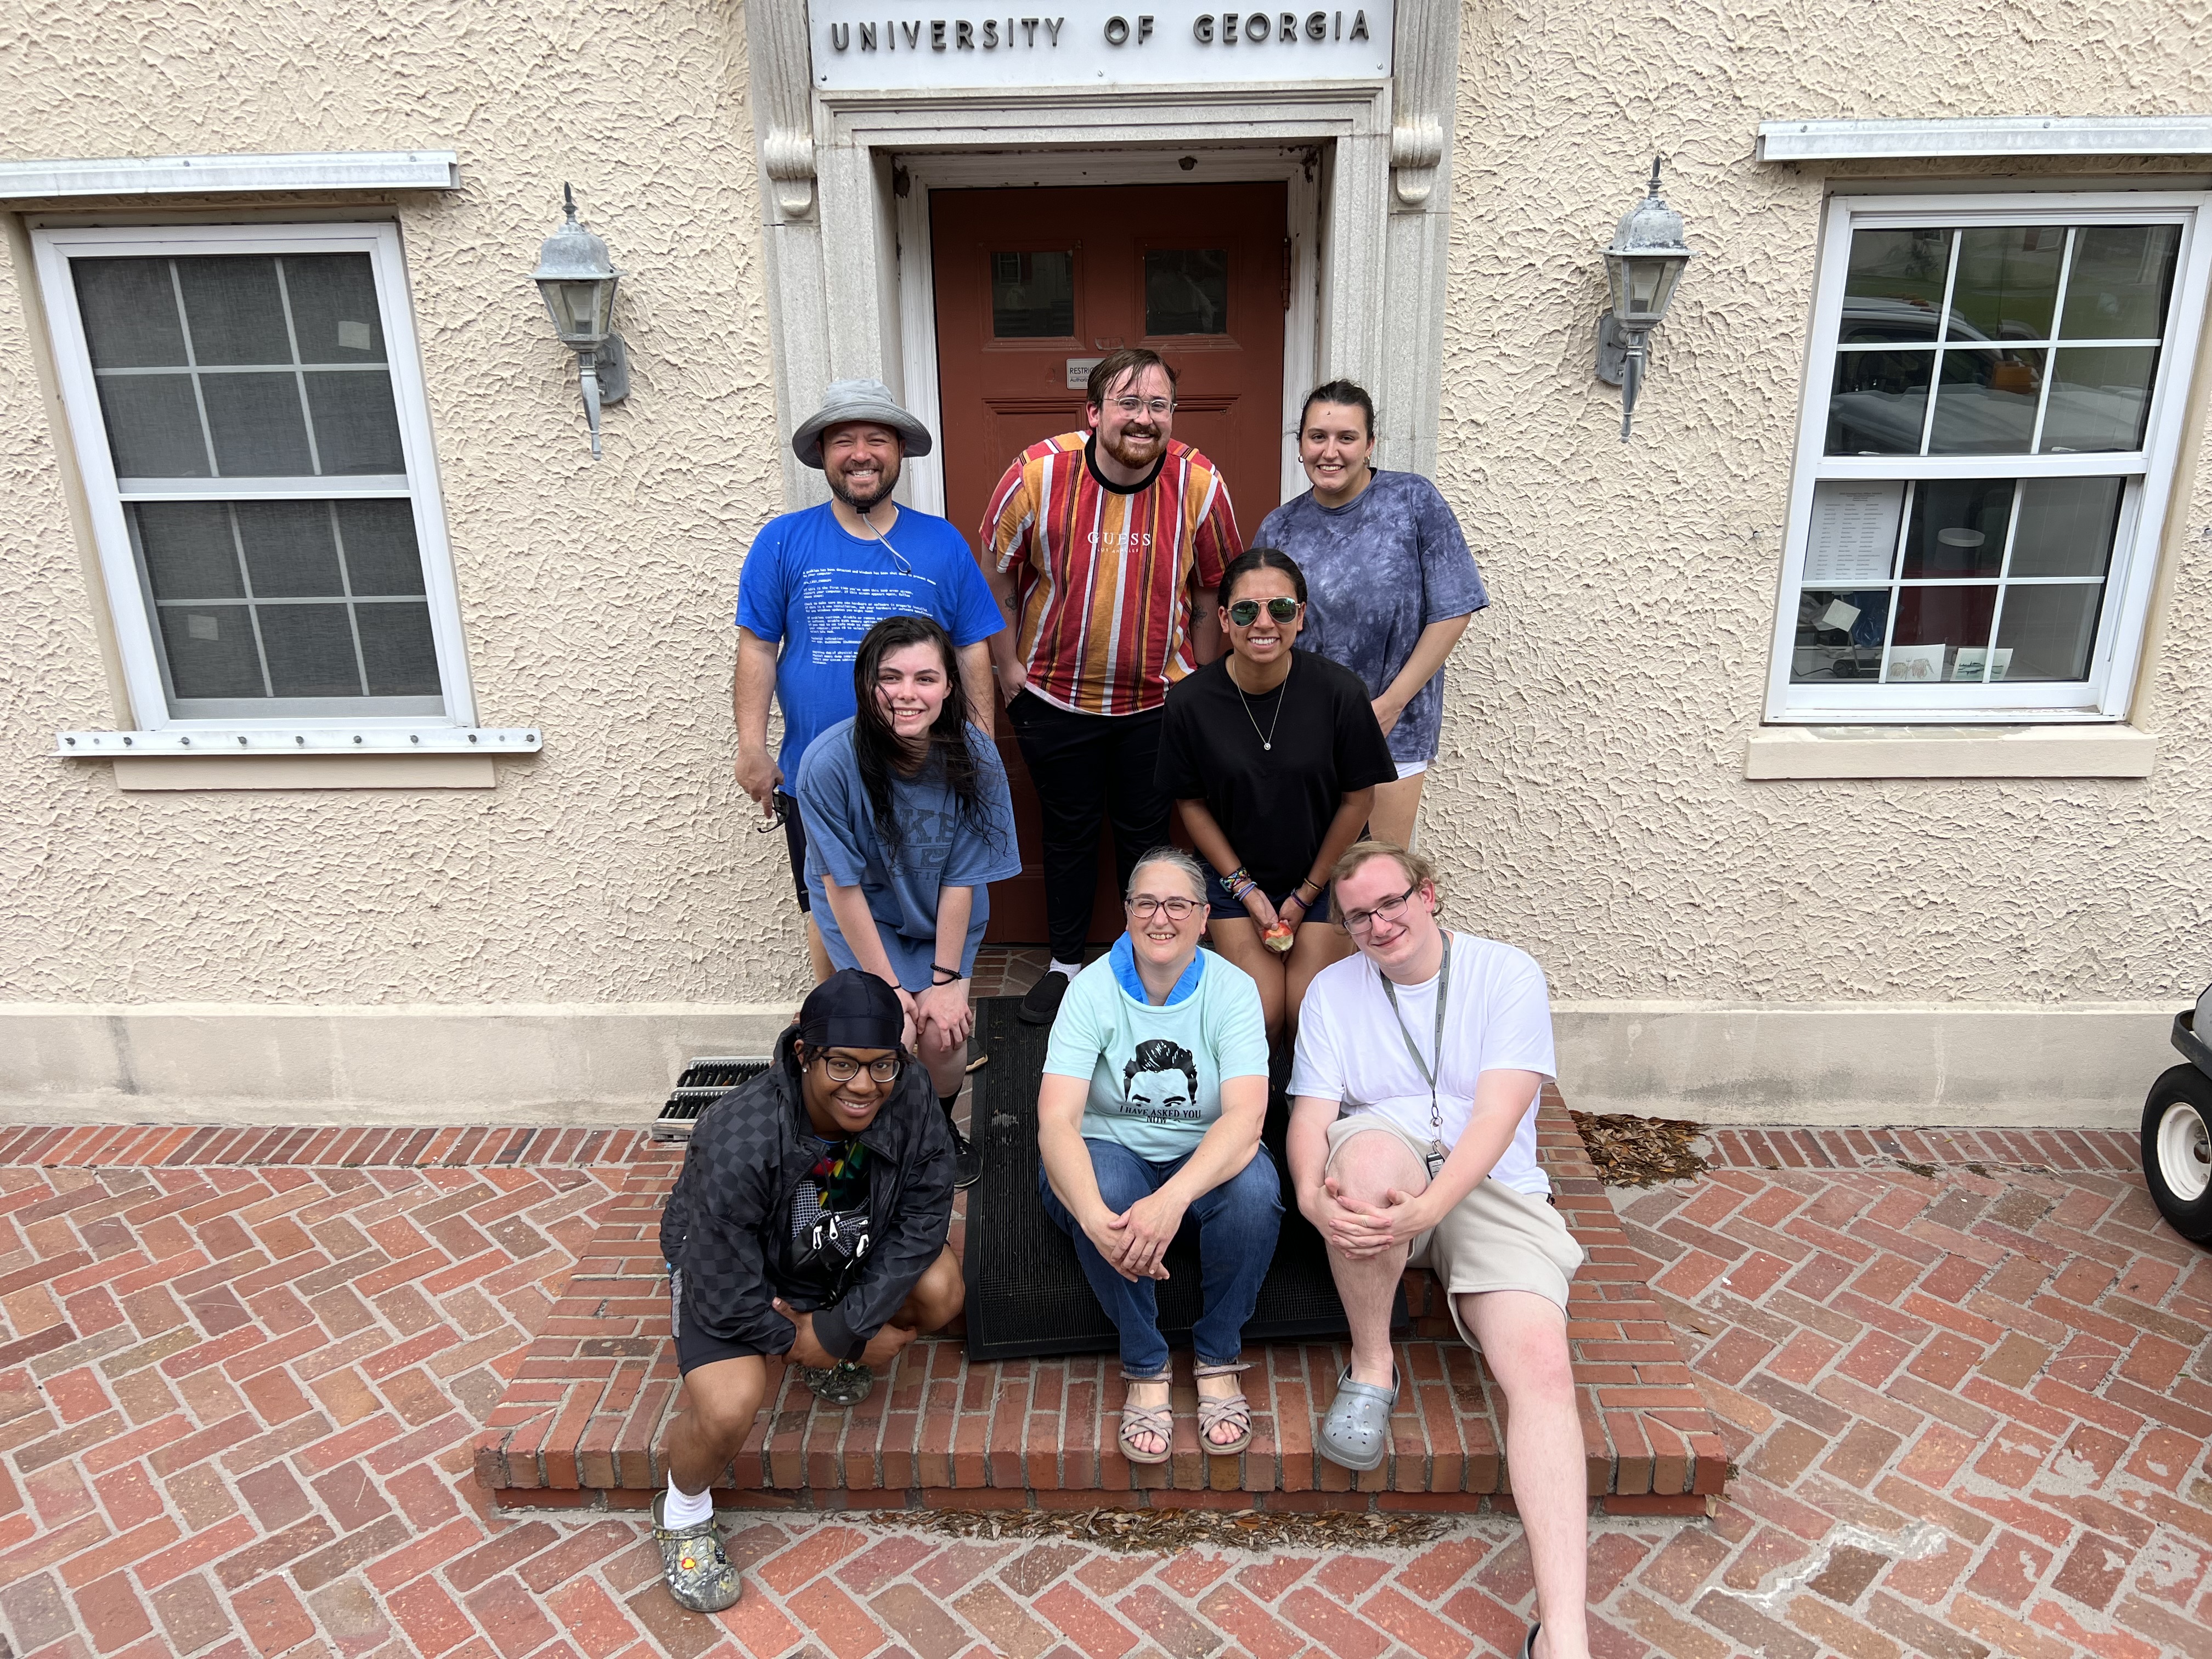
(1972, 751)
(305, 772)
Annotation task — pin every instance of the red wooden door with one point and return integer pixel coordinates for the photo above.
(1034, 284)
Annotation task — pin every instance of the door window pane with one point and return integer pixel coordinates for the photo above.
(2049, 631)
(1032, 295)
(2066, 528)
(2007, 282)
(1187, 290)
(2099, 398)
(1985, 403)
(1894, 290)
(2121, 281)
(1880, 404)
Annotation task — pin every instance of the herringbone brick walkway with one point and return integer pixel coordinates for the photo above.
(237, 1396)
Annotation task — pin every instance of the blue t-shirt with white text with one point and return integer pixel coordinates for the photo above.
(815, 590)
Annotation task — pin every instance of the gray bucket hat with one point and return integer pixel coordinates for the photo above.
(858, 400)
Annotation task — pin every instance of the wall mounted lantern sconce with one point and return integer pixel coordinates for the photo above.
(578, 283)
(1641, 269)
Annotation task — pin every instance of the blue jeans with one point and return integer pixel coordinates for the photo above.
(1237, 1225)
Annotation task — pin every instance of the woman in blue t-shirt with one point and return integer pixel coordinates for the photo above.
(907, 821)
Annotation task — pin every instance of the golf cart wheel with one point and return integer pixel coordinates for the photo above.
(2177, 1150)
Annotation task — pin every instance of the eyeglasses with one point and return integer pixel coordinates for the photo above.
(843, 1069)
(1390, 910)
(1245, 612)
(778, 816)
(1153, 406)
(1145, 907)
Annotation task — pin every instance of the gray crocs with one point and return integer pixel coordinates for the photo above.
(1356, 1430)
(700, 1576)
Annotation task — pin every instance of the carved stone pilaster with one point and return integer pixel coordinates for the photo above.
(1422, 93)
(780, 79)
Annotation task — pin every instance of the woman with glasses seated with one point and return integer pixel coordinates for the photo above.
(1155, 1087)
(1273, 755)
(908, 820)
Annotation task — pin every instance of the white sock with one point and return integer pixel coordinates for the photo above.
(682, 1510)
(1071, 968)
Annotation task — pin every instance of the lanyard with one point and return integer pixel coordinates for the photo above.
(1428, 1075)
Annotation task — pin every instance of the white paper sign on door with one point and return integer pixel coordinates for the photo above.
(1854, 532)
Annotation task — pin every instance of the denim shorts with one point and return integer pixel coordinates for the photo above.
(1223, 908)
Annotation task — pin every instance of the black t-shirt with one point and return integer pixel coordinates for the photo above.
(1273, 804)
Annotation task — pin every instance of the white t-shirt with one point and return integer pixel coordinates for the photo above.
(1352, 1049)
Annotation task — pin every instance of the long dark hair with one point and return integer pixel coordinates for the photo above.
(1347, 393)
(875, 747)
(1260, 558)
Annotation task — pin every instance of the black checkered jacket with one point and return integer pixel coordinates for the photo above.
(728, 1220)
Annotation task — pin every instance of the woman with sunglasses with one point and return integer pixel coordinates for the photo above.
(1155, 1090)
(1273, 755)
(907, 821)
(1394, 584)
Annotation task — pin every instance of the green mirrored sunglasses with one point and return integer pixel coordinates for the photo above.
(1245, 612)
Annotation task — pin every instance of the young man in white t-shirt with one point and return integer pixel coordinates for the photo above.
(1413, 1139)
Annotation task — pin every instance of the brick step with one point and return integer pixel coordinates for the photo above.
(581, 1421)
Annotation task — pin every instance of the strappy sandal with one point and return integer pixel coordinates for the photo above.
(1158, 1421)
(1236, 1409)
(1355, 1431)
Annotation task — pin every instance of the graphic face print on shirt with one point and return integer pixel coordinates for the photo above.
(1161, 1083)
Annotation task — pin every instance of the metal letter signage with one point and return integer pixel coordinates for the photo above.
(863, 46)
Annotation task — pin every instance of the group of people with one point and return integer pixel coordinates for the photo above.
(1283, 699)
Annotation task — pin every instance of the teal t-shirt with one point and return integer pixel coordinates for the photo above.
(1156, 1073)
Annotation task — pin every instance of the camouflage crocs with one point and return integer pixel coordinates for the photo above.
(700, 1576)
(845, 1383)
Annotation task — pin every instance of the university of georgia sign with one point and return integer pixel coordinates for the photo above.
(940, 45)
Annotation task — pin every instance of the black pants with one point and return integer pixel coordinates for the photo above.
(1088, 769)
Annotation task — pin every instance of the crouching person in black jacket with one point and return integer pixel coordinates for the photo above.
(810, 1221)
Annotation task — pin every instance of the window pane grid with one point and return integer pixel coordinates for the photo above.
(199, 397)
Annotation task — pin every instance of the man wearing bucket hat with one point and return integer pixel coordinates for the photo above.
(815, 582)
(810, 1221)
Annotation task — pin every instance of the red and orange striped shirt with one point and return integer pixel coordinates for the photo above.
(1104, 574)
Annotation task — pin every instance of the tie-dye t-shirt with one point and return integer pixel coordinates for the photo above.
(1378, 571)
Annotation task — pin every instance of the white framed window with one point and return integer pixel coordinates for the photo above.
(1993, 409)
(246, 406)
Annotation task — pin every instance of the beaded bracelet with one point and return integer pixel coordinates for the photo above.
(1239, 882)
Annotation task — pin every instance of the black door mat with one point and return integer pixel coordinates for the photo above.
(1027, 1297)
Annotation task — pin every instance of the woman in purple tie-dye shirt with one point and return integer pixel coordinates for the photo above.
(1391, 580)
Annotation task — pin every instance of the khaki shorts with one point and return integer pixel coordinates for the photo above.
(1495, 1238)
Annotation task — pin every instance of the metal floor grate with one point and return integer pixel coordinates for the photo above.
(705, 1080)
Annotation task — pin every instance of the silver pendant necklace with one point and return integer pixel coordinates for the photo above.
(1267, 738)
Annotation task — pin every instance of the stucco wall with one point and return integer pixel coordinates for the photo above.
(595, 598)
(1589, 803)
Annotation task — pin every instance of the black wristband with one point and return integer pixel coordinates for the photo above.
(945, 975)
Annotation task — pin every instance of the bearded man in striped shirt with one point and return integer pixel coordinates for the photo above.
(1103, 548)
